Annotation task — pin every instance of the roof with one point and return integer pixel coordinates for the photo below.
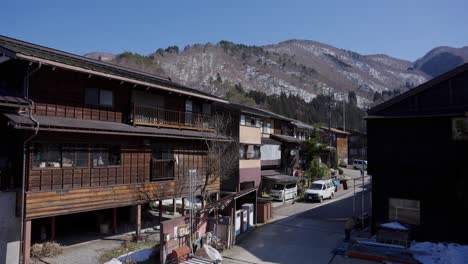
(27, 51)
(321, 181)
(270, 141)
(287, 139)
(418, 89)
(302, 125)
(63, 124)
(254, 110)
(13, 101)
(281, 178)
(335, 130)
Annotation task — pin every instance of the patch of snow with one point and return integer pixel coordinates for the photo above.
(395, 226)
(439, 253)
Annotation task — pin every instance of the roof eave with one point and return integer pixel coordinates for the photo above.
(120, 78)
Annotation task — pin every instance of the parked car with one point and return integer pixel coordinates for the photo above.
(283, 191)
(320, 190)
(358, 164)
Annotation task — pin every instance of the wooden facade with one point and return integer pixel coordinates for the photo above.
(417, 146)
(55, 191)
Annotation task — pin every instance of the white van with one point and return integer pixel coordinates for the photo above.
(320, 190)
(358, 164)
(283, 191)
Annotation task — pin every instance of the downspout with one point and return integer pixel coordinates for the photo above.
(36, 130)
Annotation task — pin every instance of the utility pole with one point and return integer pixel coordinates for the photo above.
(329, 124)
(344, 113)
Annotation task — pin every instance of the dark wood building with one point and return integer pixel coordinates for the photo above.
(357, 146)
(80, 135)
(417, 156)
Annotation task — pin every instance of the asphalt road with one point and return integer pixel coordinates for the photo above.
(301, 232)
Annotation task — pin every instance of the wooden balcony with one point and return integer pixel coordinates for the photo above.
(160, 117)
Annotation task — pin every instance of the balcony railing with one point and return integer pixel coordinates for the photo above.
(152, 116)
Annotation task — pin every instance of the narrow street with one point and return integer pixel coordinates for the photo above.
(302, 232)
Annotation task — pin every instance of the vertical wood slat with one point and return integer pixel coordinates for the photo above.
(77, 112)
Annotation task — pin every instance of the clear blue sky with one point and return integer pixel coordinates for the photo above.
(405, 29)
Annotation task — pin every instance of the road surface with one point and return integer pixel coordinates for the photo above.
(301, 232)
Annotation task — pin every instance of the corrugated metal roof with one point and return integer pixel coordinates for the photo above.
(26, 48)
(50, 123)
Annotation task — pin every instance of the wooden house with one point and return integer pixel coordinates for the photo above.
(80, 136)
(417, 156)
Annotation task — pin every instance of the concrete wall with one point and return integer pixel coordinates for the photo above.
(250, 135)
(167, 227)
(10, 229)
(250, 170)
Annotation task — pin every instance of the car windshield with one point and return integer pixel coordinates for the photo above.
(316, 186)
(278, 187)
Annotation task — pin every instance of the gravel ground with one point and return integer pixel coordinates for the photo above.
(89, 252)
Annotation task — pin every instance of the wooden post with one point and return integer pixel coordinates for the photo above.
(52, 228)
(114, 220)
(160, 212)
(174, 206)
(27, 242)
(138, 221)
(217, 196)
(183, 206)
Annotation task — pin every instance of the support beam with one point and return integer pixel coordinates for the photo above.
(27, 242)
(138, 221)
(183, 206)
(174, 206)
(52, 228)
(160, 212)
(114, 220)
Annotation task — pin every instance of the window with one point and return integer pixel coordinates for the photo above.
(74, 156)
(59, 156)
(105, 155)
(404, 211)
(249, 152)
(243, 151)
(266, 128)
(162, 164)
(46, 156)
(242, 120)
(257, 153)
(97, 96)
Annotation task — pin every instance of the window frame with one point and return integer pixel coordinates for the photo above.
(246, 154)
(399, 219)
(61, 146)
(109, 146)
(159, 155)
(99, 94)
